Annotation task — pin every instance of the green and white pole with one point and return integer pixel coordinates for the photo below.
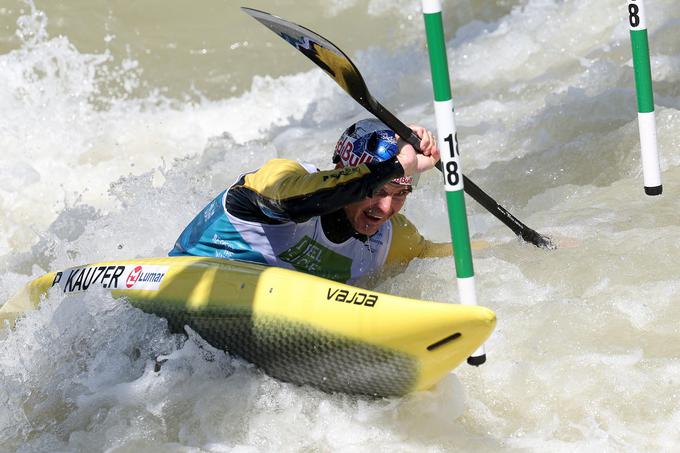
(637, 20)
(450, 156)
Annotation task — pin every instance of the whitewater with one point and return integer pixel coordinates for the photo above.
(119, 122)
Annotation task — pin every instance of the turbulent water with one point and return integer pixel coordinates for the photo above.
(120, 120)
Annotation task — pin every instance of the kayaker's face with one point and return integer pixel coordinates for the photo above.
(367, 215)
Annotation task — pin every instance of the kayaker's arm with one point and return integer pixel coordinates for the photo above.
(283, 190)
(439, 249)
(408, 244)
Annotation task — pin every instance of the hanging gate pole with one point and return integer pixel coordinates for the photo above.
(637, 21)
(451, 162)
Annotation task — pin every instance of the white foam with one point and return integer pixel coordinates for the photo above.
(545, 107)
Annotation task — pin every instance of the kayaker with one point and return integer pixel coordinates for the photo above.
(340, 224)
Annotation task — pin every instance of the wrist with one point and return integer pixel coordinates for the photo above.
(406, 164)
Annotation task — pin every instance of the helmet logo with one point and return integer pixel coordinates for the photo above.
(366, 141)
(345, 149)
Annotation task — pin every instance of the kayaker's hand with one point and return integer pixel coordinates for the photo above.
(414, 162)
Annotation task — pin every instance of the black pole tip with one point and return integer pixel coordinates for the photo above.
(656, 190)
(476, 360)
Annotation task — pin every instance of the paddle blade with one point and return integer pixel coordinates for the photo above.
(321, 51)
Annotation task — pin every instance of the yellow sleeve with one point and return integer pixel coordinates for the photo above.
(408, 243)
(283, 190)
(282, 179)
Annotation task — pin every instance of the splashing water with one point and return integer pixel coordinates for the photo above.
(116, 128)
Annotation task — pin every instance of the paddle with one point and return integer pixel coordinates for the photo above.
(337, 65)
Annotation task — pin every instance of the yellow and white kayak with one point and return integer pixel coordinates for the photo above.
(296, 327)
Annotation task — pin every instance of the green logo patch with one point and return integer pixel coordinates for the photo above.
(313, 258)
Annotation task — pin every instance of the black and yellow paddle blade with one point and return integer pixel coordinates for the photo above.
(321, 51)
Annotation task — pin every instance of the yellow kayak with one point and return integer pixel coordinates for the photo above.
(296, 327)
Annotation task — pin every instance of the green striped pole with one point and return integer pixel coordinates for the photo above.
(651, 172)
(453, 172)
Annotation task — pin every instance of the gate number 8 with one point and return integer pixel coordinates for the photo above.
(452, 174)
(634, 18)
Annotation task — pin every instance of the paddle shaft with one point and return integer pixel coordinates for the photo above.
(471, 188)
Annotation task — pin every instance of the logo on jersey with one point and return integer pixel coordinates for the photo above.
(310, 257)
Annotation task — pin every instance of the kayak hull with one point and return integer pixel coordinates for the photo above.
(296, 327)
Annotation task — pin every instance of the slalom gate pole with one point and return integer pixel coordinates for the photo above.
(637, 21)
(451, 162)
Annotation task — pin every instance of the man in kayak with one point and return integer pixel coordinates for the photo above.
(340, 224)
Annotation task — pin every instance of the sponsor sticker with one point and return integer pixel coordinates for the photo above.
(143, 277)
(133, 276)
(352, 297)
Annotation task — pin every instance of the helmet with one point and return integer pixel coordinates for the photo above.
(368, 140)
